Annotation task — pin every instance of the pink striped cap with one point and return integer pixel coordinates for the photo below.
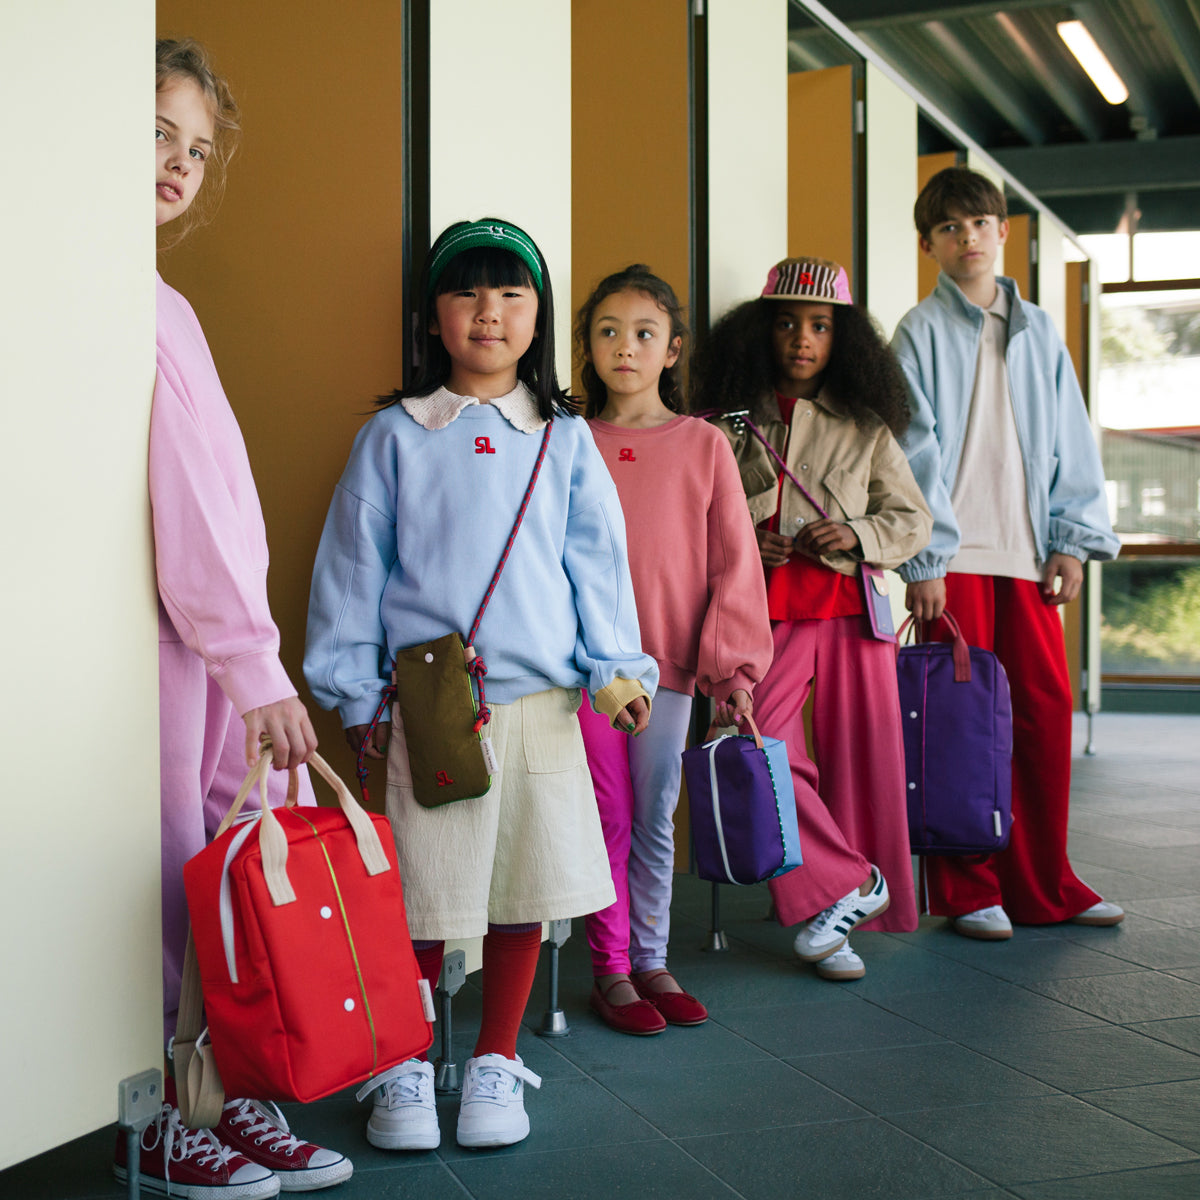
(808, 279)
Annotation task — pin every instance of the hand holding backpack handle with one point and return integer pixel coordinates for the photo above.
(962, 652)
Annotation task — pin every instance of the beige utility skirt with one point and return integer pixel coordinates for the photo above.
(531, 849)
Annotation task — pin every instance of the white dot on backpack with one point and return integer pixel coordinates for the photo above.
(912, 787)
(326, 911)
(348, 1005)
(429, 658)
(913, 715)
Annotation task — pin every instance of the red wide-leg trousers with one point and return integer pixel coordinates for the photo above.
(1032, 878)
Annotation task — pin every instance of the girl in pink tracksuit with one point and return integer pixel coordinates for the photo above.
(808, 371)
(703, 616)
(221, 683)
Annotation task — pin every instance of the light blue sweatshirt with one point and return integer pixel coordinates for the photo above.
(937, 344)
(417, 525)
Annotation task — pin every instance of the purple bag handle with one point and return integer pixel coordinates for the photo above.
(962, 652)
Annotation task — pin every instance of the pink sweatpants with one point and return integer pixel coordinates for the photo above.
(850, 794)
(637, 788)
(203, 763)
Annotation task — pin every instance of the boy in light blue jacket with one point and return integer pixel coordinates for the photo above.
(1002, 448)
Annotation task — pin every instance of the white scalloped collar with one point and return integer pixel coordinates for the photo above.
(438, 409)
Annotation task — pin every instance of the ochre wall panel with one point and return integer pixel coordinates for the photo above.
(821, 164)
(1018, 252)
(629, 142)
(928, 165)
(297, 281)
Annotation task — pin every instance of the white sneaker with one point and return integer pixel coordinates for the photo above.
(493, 1101)
(1103, 912)
(404, 1116)
(827, 933)
(989, 924)
(842, 964)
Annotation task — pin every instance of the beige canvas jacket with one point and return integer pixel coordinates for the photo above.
(858, 476)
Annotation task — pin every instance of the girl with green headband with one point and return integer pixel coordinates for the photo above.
(421, 516)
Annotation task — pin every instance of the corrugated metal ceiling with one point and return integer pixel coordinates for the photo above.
(1002, 74)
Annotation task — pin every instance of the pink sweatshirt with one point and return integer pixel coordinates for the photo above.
(697, 574)
(209, 537)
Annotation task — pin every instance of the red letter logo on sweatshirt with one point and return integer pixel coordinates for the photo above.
(484, 446)
(626, 455)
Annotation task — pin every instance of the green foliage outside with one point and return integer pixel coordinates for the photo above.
(1152, 628)
(1147, 334)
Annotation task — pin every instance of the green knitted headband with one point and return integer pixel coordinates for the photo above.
(486, 233)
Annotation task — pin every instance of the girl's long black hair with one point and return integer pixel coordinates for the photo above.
(734, 366)
(486, 266)
(636, 277)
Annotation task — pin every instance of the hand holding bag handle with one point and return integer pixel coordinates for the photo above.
(749, 720)
(271, 838)
(198, 1082)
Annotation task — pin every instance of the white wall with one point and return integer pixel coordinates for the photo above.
(500, 128)
(1052, 272)
(747, 146)
(81, 1004)
(502, 145)
(891, 127)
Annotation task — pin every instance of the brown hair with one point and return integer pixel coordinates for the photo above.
(957, 191)
(636, 277)
(185, 58)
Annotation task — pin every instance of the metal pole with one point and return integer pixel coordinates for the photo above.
(716, 937)
(554, 1022)
(454, 975)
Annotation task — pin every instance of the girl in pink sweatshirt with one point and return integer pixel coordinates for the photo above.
(703, 614)
(221, 683)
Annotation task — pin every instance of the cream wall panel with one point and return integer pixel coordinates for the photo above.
(984, 166)
(1052, 272)
(502, 146)
(747, 146)
(79, 870)
(891, 127)
(500, 128)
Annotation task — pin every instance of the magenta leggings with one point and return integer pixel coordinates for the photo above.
(637, 790)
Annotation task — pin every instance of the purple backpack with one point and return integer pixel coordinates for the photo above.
(956, 716)
(743, 808)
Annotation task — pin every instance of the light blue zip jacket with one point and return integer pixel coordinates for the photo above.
(937, 344)
(418, 522)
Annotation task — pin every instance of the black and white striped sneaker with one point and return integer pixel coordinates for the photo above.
(827, 933)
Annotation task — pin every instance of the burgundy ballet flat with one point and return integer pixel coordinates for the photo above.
(677, 1008)
(639, 1018)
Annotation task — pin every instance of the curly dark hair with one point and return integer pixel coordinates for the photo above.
(636, 277)
(734, 366)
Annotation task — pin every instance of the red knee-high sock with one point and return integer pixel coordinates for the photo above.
(429, 960)
(509, 962)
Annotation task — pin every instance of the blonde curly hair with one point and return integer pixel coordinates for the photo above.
(185, 58)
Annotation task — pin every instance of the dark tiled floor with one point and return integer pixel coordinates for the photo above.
(1063, 1065)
